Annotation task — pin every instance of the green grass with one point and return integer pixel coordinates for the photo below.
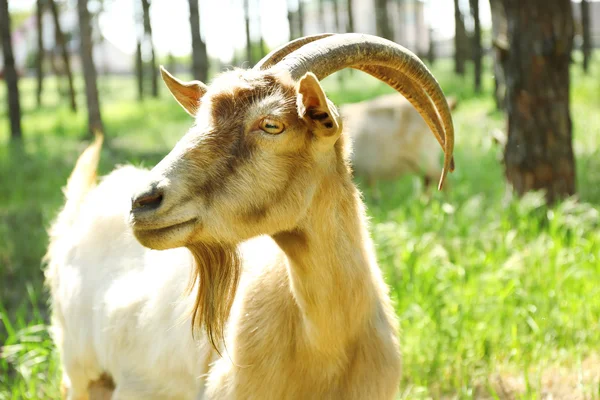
(488, 289)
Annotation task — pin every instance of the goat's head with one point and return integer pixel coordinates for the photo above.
(264, 138)
(249, 164)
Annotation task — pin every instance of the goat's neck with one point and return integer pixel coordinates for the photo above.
(333, 273)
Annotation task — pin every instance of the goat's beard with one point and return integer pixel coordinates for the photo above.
(217, 270)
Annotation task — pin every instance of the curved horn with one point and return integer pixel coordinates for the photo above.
(389, 62)
(279, 53)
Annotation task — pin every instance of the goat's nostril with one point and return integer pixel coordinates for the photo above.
(148, 200)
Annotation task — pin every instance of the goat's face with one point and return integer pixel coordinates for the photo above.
(249, 165)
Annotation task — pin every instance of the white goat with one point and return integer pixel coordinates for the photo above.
(390, 139)
(258, 192)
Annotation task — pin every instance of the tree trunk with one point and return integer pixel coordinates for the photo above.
(336, 16)
(539, 153)
(459, 35)
(291, 21)
(350, 12)
(261, 39)
(321, 15)
(89, 69)
(199, 55)
(39, 61)
(499, 51)
(139, 69)
(477, 52)
(10, 73)
(248, 38)
(148, 38)
(431, 48)
(301, 18)
(586, 34)
(381, 20)
(61, 42)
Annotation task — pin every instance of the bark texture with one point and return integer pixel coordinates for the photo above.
(150, 41)
(10, 73)
(199, 55)
(476, 49)
(460, 35)
(89, 69)
(64, 53)
(586, 34)
(382, 21)
(539, 153)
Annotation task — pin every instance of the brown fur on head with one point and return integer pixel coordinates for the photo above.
(250, 165)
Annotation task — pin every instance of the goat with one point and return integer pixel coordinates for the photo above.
(256, 203)
(389, 139)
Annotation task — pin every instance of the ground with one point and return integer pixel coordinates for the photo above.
(497, 297)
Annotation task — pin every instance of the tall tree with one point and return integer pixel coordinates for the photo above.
(301, 18)
(291, 21)
(350, 16)
(459, 40)
(199, 55)
(321, 15)
(39, 58)
(381, 20)
(89, 69)
(431, 47)
(10, 73)
(586, 34)
(261, 39)
(499, 51)
(477, 51)
(336, 16)
(148, 39)
(139, 69)
(248, 38)
(139, 60)
(539, 152)
(64, 51)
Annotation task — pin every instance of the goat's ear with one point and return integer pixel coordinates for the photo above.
(314, 107)
(187, 94)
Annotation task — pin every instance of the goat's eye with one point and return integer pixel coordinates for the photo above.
(271, 126)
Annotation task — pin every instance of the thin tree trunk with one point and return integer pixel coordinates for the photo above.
(477, 52)
(199, 55)
(10, 74)
(148, 38)
(60, 40)
(301, 17)
(381, 20)
(459, 35)
(431, 48)
(350, 12)
(248, 39)
(139, 69)
(500, 51)
(39, 61)
(89, 69)
(586, 34)
(539, 152)
(321, 16)
(336, 16)
(291, 22)
(261, 39)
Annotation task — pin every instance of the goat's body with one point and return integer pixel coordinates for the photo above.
(390, 139)
(120, 309)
